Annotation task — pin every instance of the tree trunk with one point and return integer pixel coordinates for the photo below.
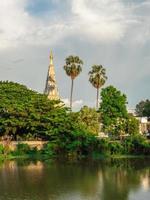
(71, 93)
(97, 99)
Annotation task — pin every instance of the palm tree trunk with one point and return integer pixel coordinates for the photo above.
(97, 99)
(71, 93)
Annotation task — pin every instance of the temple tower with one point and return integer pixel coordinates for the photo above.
(51, 88)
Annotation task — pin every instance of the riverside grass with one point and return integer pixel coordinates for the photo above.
(99, 148)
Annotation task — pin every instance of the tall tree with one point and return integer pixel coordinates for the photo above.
(97, 79)
(113, 110)
(73, 67)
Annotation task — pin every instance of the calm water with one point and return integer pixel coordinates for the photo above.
(117, 179)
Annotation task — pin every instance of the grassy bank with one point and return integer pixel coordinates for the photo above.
(135, 146)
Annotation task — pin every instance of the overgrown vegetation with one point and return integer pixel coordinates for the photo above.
(115, 118)
(90, 119)
(83, 145)
(27, 115)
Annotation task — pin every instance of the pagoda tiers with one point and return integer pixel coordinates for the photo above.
(51, 89)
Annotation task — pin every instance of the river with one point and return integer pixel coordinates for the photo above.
(109, 179)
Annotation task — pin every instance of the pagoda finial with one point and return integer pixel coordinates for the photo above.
(51, 57)
(51, 89)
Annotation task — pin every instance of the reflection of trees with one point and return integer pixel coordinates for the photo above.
(122, 177)
(117, 183)
(145, 178)
(17, 180)
(103, 180)
(41, 181)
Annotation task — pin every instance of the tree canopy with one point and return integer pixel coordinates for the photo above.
(24, 112)
(113, 109)
(143, 108)
(73, 67)
(90, 119)
(97, 77)
(28, 115)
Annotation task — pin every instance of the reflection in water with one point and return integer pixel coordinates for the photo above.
(116, 179)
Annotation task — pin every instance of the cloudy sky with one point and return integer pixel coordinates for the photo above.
(114, 33)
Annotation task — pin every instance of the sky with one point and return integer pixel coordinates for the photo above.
(113, 33)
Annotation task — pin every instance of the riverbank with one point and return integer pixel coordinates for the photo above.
(43, 157)
(95, 148)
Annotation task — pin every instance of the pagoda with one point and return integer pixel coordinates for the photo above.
(51, 89)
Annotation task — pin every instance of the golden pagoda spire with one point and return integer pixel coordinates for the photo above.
(51, 57)
(51, 89)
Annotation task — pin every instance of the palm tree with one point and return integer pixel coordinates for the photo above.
(97, 79)
(73, 67)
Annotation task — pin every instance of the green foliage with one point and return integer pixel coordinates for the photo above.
(21, 149)
(132, 145)
(103, 146)
(97, 77)
(78, 143)
(25, 113)
(116, 148)
(132, 125)
(1, 149)
(113, 110)
(73, 68)
(24, 149)
(49, 149)
(90, 119)
(137, 145)
(107, 147)
(143, 108)
(83, 143)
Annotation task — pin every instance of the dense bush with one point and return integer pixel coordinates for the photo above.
(108, 147)
(90, 119)
(48, 149)
(116, 148)
(132, 145)
(23, 149)
(137, 145)
(77, 143)
(132, 125)
(1, 149)
(103, 146)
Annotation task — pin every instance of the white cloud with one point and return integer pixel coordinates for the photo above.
(17, 27)
(97, 20)
(100, 19)
(76, 104)
(14, 22)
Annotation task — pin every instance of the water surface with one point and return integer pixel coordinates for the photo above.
(115, 179)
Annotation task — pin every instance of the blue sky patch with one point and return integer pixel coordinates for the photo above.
(40, 7)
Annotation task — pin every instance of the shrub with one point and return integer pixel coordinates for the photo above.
(103, 146)
(1, 149)
(22, 149)
(116, 147)
(48, 149)
(136, 145)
